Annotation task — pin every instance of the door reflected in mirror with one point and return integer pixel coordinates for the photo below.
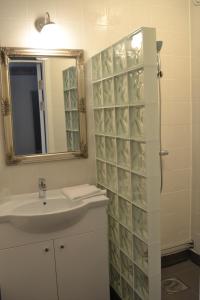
(44, 105)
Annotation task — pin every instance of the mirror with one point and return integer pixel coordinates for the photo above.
(43, 104)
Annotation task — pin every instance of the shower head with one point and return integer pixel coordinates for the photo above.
(159, 45)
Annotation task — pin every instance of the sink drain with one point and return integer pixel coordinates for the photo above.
(173, 285)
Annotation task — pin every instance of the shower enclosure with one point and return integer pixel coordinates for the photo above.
(126, 116)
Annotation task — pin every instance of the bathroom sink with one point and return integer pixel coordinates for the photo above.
(44, 206)
(54, 212)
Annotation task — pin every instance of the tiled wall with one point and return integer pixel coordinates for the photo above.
(93, 25)
(127, 160)
(195, 31)
(176, 124)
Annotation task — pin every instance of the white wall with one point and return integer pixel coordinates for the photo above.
(49, 106)
(56, 127)
(173, 28)
(92, 25)
(195, 33)
(57, 68)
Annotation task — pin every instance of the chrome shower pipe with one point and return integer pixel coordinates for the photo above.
(160, 75)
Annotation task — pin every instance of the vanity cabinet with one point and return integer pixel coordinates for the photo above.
(28, 272)
(81, 263)
(68, 268)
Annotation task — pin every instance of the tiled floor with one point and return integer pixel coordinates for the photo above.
(189, 274)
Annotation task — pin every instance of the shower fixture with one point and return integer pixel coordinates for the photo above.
(159, 45)
(162, 152)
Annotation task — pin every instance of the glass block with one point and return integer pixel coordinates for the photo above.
(100, 147)
(134, 49)
(121, 90)
(124, 183)
(67, 100)
(72, 77)
(140, 253)
(107, 62)
(74, 99)
(140, 226)
(68, 120)
(139, 190)
(66, 80)
(112, 204)
(109, 121)
(114, 254)
(111, 151)
(75, 120)
(125, 238)
(101, 172)
(97, 94)
(127, 291)
(122, 122)
(108, 92)
(113, 230)
(136, 86)
(123, 153)
(76, 141)
(96, 67)
(138, 162)
(125, 212)
(115, 280)
(141, 283)
(111, 177)
(137, 122)
(119, 52)
(127, 268)
(69, 141)
(136, 297)
(99, 120)
(100, 186)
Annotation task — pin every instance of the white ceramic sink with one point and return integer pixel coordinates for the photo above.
(28, 212)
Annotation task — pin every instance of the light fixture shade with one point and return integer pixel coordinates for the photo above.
(43, 21)
(48, 28)
(50, 35)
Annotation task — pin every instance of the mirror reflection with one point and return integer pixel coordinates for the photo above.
(44, 101)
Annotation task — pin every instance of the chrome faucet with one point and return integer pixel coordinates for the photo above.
(42, 187)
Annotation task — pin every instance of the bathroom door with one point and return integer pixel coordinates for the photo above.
(28, 107)
(28, 272)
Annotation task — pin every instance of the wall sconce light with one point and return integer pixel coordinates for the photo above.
(51, 35)
(44, 23)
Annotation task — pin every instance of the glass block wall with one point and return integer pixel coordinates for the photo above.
(127, 161)
(71, 108)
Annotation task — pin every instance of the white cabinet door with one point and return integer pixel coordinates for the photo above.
(82, 267)
(28, 272)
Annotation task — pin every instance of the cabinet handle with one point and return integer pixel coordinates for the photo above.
(62, 246)
(46, 249)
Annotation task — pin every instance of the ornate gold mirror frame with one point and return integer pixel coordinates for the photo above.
(6, 104)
